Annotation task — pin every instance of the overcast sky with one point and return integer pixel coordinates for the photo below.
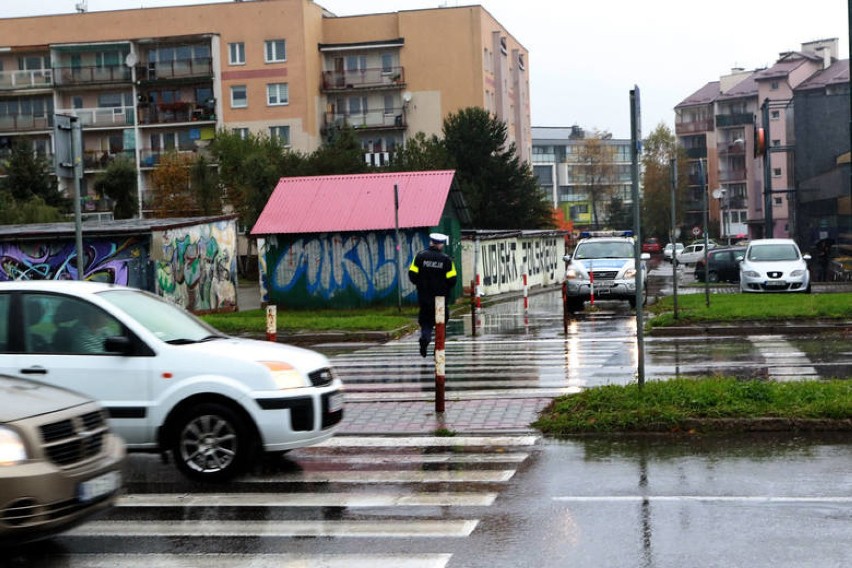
(586, 55)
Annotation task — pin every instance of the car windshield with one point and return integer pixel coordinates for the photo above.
(167, 321)
(774, 252)
(605, 249)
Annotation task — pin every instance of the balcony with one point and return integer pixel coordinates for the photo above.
(99, 160)
(733, 175)
(728, 148)
(696, 153)
(93, 75)
(149, 158)
(378, 159)
(738, 119)
(25, 122)
(365, 79)
(180, 69)
(175, 112)
(692, 127)
(15, 80)
(389, 119)
(102, 117)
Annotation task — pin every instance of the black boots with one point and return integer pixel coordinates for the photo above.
(423, 346)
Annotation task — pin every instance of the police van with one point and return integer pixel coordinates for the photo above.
(603, 267)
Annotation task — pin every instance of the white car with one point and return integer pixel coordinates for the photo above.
(169, 382)
(669, 249)
(693, 253)
(774, 265)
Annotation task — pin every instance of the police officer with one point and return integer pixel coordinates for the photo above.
(434, 274)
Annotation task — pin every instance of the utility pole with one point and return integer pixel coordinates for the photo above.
(768, 230)
(635, 151)
(673, 163)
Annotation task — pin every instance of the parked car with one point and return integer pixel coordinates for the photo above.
(724, 265)
(652, 246)
(692, 253)
(607, 264)
(668, 250)
(170, 383)
(59, 462)
(774, 265)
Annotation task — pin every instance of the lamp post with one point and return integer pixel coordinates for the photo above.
(703, 178)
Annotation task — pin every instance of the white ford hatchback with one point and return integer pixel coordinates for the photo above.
(169, 382)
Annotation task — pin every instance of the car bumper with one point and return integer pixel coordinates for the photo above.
(606, 290)
(39, 499)
(748, 284)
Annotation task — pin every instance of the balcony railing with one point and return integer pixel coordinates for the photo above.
(695, 153)
(38, 79)
(733, 175)
(363, 79)
(388, 119)
(690, 127)
(20, 122)
(730, 148)
(74, 76)
(151, 158)
(102, 116)
(737, 119)
(180, 69)
(99, 160)
(182, 111)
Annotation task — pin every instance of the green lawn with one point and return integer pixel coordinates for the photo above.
(680, 404)
(366, 319)
(749, 307)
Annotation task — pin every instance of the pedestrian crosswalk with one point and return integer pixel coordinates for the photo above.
(414, 499)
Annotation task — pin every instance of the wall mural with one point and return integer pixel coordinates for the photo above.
(121, 260)
(502, 262)
(196, 266)
(353, 268)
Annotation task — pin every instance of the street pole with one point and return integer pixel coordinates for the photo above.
(635, 150)
(398, 252)
(673, 163)
(768, 230)
(706, 237)
(77, 159)
(850, 124)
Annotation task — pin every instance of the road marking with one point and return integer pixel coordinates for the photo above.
(366, 477)
(256, 560)
(426, 441)
(785, 361)
(307, 500)
(397, 459)
(279, 529)
(700, 498)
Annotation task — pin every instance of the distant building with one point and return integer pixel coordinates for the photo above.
(149, 81)
(555, 161)
(718, 126)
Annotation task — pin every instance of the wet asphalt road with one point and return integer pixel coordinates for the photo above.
(472, 501)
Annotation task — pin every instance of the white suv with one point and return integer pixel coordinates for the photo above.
(169, 382)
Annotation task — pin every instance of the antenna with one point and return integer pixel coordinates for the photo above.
(82, 6)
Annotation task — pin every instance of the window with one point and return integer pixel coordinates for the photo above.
(776, 172)
(56, 324)
(239, 96)
(356, 63)
(280, 133)
(276, 50)
(387, 63)
(775, 114)
(243, 133)
(277, 94)
(357, 106)
(776, 142)
(778, 202)
(774, 85)
(106, 100)
(388, 105)
(237, 53)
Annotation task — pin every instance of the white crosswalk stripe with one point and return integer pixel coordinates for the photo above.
(258, 561)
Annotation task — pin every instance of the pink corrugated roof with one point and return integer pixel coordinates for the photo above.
(362, 202)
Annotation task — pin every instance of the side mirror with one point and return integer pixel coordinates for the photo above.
(567, 258)
(645, 256)
(806, 256)
(119, 344)
(740, 258)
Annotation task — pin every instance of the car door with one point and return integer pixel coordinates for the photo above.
(63, 343)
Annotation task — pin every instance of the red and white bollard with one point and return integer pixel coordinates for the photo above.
(591, 286)
(478, 292)
(440, 357)
(272, 323)
(526, 293)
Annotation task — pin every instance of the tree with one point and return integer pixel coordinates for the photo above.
(501, 192)
(597, 171)
(658, 149)
(205, 186)
(421, 153)
(28, 175)
(32, 210)
(118, 182)
(619, 216)
(340, 154)
(173, 196)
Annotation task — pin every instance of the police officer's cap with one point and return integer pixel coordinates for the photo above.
(439, 238)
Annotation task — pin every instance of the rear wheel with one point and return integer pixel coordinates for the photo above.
(210, 442)
(713, 277)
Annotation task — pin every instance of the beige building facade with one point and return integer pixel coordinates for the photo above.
(154, 80)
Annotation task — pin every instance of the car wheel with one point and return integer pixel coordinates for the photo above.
(210, 442)
(713, 277)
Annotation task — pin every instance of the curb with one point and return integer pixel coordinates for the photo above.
(813, 327)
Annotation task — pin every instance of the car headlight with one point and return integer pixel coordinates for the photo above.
(12, 448)
(751, 274)
(797, 273)
(630, 273)
(285, 375)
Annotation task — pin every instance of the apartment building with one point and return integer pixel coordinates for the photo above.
(154, 80)
(558, 164)
(719, 126)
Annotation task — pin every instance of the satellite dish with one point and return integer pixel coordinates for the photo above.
(131, 60)
(406, 97)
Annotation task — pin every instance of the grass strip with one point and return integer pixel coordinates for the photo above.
(366, 319)
(749, 307)
(685, 404)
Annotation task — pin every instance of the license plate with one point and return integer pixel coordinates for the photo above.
(776, 284)
(335, 402)
(99, 486)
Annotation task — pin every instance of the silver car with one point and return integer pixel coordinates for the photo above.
(774, 265)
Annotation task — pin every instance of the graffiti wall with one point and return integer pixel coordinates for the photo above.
(117, 260)
(338, 269)
(501, 260)
(196, 266)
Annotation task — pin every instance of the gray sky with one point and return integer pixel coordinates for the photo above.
(586, 55)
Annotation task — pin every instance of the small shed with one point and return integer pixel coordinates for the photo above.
(189, 261)
(332, 241)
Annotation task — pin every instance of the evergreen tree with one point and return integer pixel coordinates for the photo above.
(118, 182)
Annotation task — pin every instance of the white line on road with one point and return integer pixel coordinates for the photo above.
(396, 459)
(341, 529)
(256, 560)
(307, 500)
(489, 476)
(426, 441)
(700, 498)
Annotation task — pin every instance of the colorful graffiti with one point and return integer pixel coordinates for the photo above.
(196, 266)
(117, 261)
(355, 269)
